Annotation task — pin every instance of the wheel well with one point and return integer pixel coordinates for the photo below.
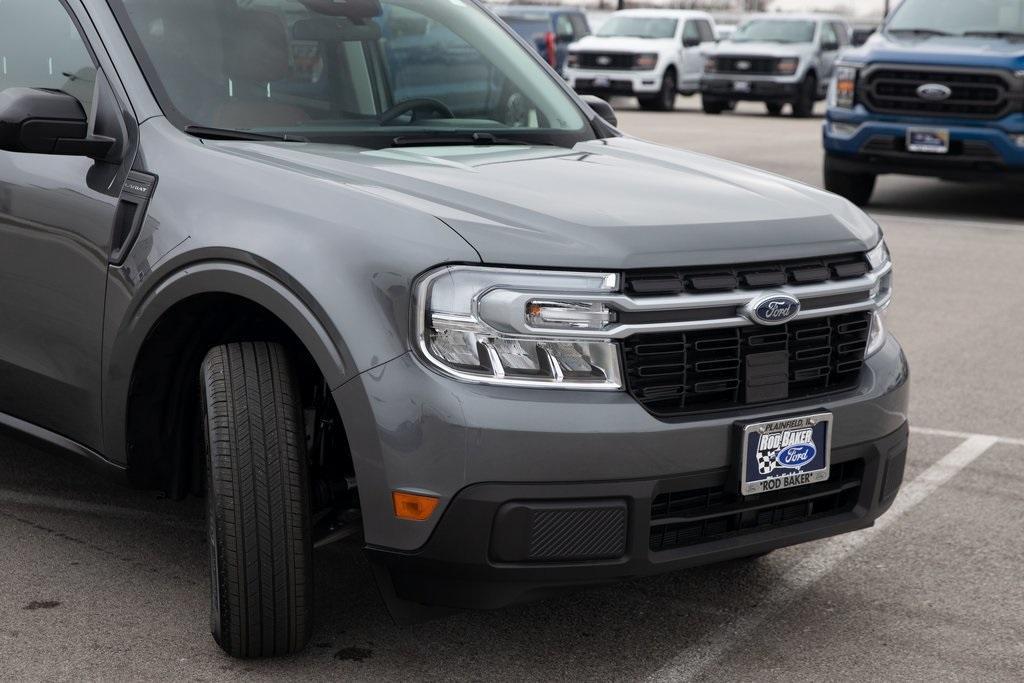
(163, 438)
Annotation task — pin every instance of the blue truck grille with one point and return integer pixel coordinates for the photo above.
(974, 94)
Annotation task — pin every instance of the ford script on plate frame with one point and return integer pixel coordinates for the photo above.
(785, 453)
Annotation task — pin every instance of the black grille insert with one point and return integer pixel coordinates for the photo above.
(973, 94)
(616, 61)
(747, 65)
(670, 281)
(684, 518)
(679, 373)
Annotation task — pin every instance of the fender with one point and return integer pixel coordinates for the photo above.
(128, 334)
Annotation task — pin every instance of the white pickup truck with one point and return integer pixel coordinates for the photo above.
(650, 54)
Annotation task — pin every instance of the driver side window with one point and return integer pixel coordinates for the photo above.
(40, 47)
(691, 33)
(828, 36)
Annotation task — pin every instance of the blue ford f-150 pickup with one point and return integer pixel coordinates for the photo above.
(939, 91)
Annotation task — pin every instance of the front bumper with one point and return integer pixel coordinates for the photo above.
(752, 89)
(479, 447)
(614, 82)
(477, 558)
(859, 141)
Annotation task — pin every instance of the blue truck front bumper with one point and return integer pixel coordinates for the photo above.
(860, 141)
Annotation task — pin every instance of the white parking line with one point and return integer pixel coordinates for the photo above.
(927, 431)
(697, 661)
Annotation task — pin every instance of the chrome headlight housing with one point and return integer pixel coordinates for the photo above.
(879, 258)
(516, 327)
(843, 89)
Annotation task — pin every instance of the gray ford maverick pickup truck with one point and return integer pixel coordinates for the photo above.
(369, 270)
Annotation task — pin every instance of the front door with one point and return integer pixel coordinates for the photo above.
(56, 222)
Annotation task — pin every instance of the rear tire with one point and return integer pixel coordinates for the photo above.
(804, 107)
(857, 187)
(258, 516)
(665, 100)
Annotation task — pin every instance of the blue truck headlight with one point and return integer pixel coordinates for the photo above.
(843, 92)
(517, 327)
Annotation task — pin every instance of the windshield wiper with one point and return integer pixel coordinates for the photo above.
(208, 133)
(920, 31)
(429, 139)
(996, 34)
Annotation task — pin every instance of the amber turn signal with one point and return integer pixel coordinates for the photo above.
(413, 506)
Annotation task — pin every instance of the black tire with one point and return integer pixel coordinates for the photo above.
(774, 108)
(857, 187)
(258, 519)
(713, 106)
(665, 100)
(804, 106)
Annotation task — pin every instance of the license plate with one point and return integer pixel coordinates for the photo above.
(602, 82)
(785, 453)
(928, 140)
(741, 86)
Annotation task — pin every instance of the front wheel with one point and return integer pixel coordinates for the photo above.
(665, 100)
(804, 106)
(857, 187)
(774, 108)
(258, 520)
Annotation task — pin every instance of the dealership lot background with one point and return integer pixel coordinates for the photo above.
(103, 582)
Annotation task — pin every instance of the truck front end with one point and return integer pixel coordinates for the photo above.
(937, 93)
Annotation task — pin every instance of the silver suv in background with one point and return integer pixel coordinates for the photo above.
(650, 54)
(775, 59)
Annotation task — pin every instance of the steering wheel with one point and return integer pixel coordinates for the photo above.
(428, 103)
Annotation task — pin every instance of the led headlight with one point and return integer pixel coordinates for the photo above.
(645, 62)
(787, 66)
(843, 91)
(878, 256)
(882, 293)
(518, 327)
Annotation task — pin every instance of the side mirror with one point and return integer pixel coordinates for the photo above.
(37, 121)
(602, 109)
(829, 47)
(691, 42)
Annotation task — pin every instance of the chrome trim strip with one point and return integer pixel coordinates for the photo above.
(496, 308)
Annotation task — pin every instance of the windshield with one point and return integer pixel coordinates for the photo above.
(366, 72)
(774, 31)
(638, 27)
(956, 17)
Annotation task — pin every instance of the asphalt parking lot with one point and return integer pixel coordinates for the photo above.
(99, 582)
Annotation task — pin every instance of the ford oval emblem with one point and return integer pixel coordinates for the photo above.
(743, 65)
(934, 92)
(773, 309)
(796, 456)
(604, 60)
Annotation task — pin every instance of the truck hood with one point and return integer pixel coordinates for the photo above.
(622, 44)
(941, 51)
(729, 49)
(616, 203)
